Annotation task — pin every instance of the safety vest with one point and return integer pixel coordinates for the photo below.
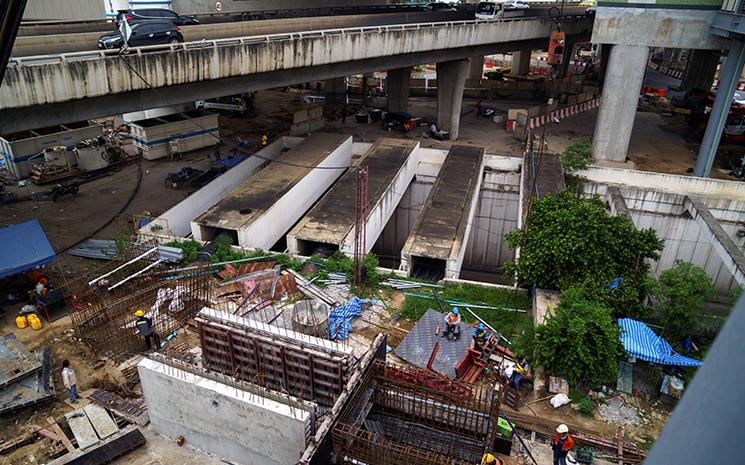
(520, 369)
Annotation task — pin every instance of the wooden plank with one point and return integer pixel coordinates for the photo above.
(61, 434)
(107, 451)
(101, 421)
(82, 429)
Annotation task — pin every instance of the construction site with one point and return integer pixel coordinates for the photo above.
(366, 235)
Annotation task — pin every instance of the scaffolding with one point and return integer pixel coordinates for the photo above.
(392, 419)
(103, 301)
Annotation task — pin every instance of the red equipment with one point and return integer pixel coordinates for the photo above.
(556, 48)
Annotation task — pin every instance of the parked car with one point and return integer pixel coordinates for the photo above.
(144, 33)
(153, 14)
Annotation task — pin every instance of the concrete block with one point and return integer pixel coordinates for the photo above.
(300, 116)
(317, 124)
(301, 129)
(513, 113)
(237, 425)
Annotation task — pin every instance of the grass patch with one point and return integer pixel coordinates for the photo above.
(585, 405)
(515, 326)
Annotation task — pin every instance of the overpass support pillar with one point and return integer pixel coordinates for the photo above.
(521, 63)
(623, 81)
(398, 89)
(604, 58)
(700, 71)
(728, 80)
(451, 80)
(569, 54)
(476, 70)
(336, 90)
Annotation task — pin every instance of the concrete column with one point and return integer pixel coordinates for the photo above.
(563, 69)
(623, 81)
(476, 70)
(336, 90)
(398, 89)
(521, 63)
(700, 71)
(728, 80)
(451, 80)
(604, 58)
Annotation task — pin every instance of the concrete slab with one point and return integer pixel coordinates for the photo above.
(101, 421)
(391, 166)
(240, 426)
(82, 429)
(438, 240)
(30, 389)
(262, 209)
(16, 360)
(417, 346)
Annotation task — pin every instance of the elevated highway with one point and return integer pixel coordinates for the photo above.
(83, 85)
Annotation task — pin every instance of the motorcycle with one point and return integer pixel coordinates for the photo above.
(64, 189)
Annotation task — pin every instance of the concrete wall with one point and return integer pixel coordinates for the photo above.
(63, 9)
(178, 218)
(208, 6)
(236, 425)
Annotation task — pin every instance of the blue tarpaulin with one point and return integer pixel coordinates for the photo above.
(640, 341)
(23, 246)
(340, 317)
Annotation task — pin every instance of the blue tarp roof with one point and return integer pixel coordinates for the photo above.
(23, 246)
(640, 341)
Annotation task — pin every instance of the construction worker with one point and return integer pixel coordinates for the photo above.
(145, 329)
(489, 459)
(264, 140)
(480, 337)
(520, 372)
(562, 444)
(452, 324)
(70, 381)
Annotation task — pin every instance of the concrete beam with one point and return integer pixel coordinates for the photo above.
(521, 63)
(623, 82)
(656, 27)
(617, 203)
(49, 114)
(476, 68)
(725, 247)
(398, 82)
(451, 81)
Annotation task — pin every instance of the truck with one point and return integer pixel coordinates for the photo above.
(505, 9)
(231, 105)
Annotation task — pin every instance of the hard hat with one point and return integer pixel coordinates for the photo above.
(562, 428)
(455, 310)
(139, 313)
(488, 459)
(481, 326)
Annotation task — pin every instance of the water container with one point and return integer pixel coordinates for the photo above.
(21, 321)
(35, 321)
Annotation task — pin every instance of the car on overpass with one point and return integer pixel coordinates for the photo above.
(492, 10)
(153, 14)
(142, 34)
(441, 6)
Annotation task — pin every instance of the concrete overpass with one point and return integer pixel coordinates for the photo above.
(38, 91)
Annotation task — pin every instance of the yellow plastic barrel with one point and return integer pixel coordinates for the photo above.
(21, 321)
(34, 321)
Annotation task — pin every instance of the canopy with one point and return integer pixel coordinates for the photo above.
(641, 342)
(23, 246)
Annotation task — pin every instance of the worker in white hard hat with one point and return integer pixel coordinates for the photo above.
(562, 444)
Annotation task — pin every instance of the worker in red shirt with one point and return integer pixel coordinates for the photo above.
(562, 444)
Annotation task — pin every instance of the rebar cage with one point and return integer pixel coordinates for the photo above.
(103, 301)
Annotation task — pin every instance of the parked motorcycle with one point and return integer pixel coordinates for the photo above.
(65, 189)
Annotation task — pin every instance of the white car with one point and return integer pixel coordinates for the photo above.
(515, 5)
(491, 10)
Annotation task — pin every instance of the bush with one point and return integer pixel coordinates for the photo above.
(681, 295)
(580, 341)
(190, 249)
(586, 407)
(574, 243)
(577, 156)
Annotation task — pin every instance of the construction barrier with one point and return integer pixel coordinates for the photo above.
(675, 73)
(562, 113)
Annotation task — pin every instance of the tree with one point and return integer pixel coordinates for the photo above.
(680, 295)
(580, 341)
(572, 242)
(577, 156)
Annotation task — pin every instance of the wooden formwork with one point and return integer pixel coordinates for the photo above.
(247, 353)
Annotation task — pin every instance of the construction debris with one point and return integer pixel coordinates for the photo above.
(25, 376)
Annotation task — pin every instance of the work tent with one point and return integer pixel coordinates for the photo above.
(640, 341)
(23, 246)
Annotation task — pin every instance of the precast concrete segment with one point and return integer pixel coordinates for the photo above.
(451, 81)
(265, 207)
(656, 27)
(398, 82)
(391, 164)
(623, 81)
(62, 78)
(521, 63)
(442, 229)
(237, 425)
(726, 248)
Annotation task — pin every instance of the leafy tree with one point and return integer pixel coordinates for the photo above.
(680, 295)
(577, 156)
(573, 242)
(580, 341)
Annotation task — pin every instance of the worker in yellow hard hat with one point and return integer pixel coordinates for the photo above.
(489, 459)
(144, 327)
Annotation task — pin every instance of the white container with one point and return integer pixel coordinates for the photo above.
(59, 156)
(153, 136)
(91, 157)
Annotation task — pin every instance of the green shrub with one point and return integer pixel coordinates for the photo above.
(586, 407)
(190, 249)
(577, 156)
